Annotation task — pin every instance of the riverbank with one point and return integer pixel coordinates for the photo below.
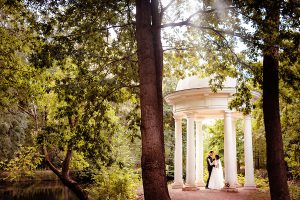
(39, 175)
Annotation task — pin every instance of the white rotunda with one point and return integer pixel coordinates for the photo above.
(194, 101)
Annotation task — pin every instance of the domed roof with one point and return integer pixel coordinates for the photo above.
(194, 82)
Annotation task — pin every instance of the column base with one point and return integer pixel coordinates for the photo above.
(229, 189)
(190, 188)
(250, 187)
(177, 185)
(237, 185)
(200, 184)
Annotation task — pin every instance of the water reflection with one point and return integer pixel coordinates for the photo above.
(42, 190)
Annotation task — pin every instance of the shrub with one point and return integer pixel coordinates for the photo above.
(262, 183)
(294, 170)
(114, 183)
(294, 188)
(241, 179)
(83, 176)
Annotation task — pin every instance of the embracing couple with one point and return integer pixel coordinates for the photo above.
(215, 172)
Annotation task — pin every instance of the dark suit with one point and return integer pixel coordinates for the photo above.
(210, 166)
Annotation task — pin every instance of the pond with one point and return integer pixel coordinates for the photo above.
(41, 190)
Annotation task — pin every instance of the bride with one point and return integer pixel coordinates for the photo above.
(216, 180)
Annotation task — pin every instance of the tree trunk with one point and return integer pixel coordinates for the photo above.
(150, 62)
(64, 176)
(275, 156)
(75, 187)
(66, 163)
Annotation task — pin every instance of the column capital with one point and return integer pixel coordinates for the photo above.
(190, 115)
(198, 120)
(228, 111)
(177, 117)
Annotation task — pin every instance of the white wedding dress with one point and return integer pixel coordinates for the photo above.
(216, 180)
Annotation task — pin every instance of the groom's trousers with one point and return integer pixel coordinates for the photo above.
(209, 173)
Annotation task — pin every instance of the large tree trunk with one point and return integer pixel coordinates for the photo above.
(150, 62)
(275, 157)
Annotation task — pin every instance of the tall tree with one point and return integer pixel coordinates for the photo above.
(150, 60)
(276, 36)
(275, 164)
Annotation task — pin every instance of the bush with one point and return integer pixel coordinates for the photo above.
(114, 183)
(241, 179)
(261, 179)
(294, 170)
(294, 188)
(83, 176)
(262, 183)
(261, 173)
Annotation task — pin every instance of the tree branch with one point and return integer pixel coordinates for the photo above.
(206, 12)
(187, 23)
(49, 163)
(66, 163)
(167, 6)
(25, 111)
(177, 49)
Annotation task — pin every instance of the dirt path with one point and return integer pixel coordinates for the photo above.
(204, 194)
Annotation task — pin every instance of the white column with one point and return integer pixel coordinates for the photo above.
(249, 169)
(234, 150)
(228, 150)
(199, 154)
(178, 181)
(190, 154)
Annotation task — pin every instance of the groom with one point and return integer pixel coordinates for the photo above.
(210, 166)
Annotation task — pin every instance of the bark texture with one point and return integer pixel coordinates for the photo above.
(275, 156)
(150, 60)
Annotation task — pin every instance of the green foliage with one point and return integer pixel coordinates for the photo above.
(259, 140)
(25, 162)
(205, 175)
(262, 183)
(294, 188)
(18, 42)
(289, 99)
(241, 179)
(293, 168)
(214, 139)
(78, 162)
(13, 133)
(115, 183)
